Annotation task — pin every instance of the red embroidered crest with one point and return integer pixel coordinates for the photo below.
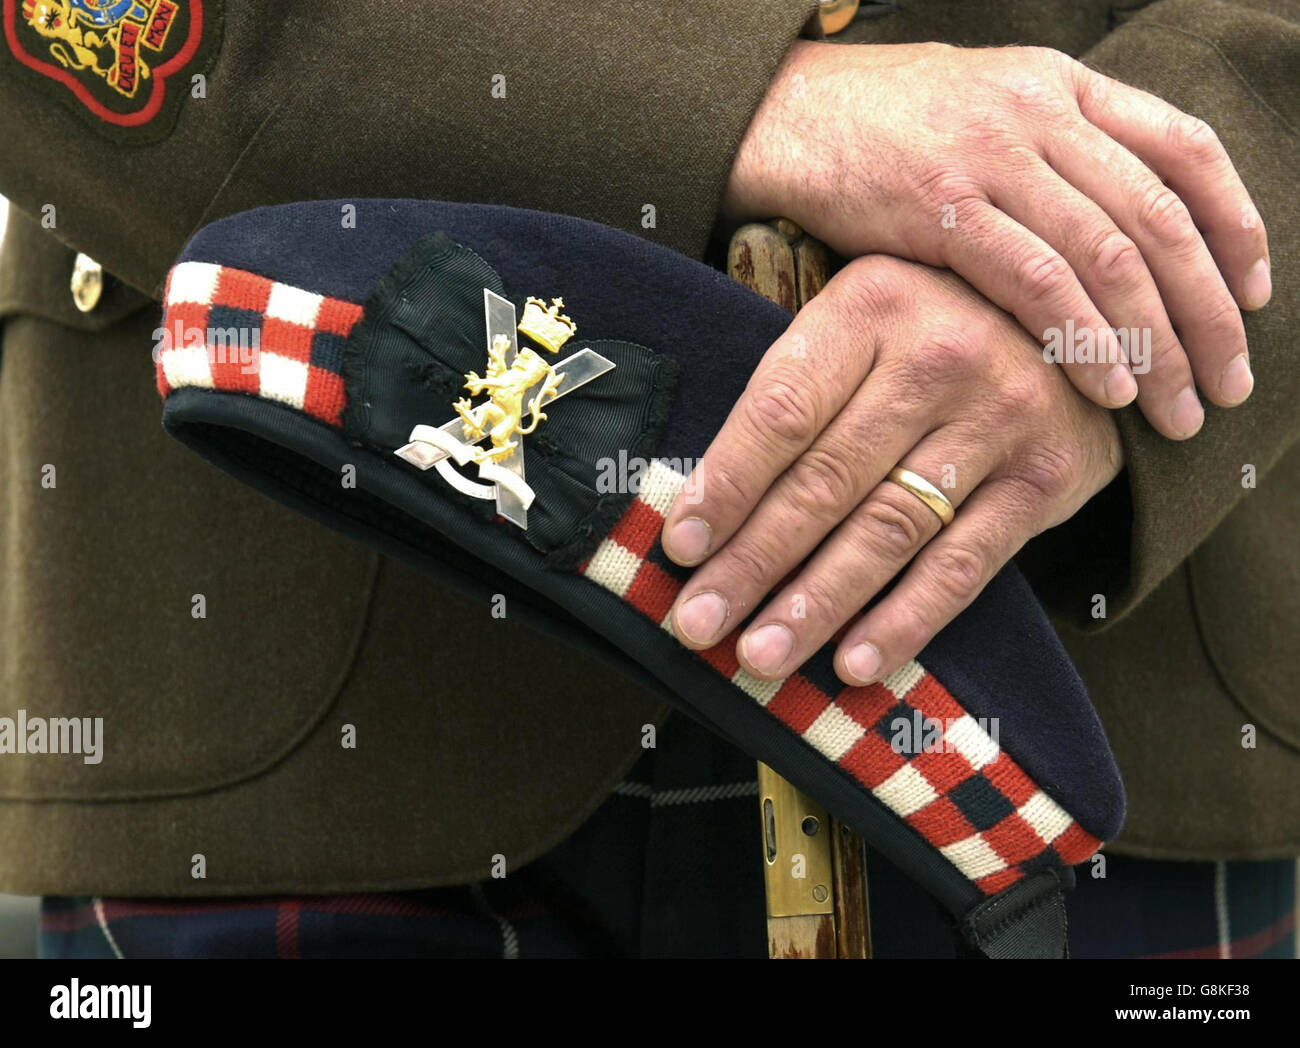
(116, 60)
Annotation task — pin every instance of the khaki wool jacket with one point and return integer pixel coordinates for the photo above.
(326, 719)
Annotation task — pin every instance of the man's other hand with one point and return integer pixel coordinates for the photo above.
(1073, 201)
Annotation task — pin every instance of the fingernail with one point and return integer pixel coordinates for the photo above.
(688, 541)
(1187, 414)
(701, 618)
(1236, 382)
(1120, 386)
(1257, 287)
(767, 647)
(862, 662)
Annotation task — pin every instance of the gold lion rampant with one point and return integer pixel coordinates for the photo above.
(502, 417)
(59, 21)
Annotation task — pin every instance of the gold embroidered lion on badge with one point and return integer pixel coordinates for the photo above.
(57, 20)
(502, 417)
(81, 30)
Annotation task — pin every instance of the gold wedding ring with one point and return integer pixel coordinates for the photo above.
(925, 491)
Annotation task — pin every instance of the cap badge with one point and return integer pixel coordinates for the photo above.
(518, 383)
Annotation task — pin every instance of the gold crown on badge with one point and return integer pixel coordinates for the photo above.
(518, 383)
(546, 325)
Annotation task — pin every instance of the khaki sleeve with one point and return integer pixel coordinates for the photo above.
(628, 114)
(1236, 65)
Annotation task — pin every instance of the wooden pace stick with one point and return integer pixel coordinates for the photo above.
(815, 871)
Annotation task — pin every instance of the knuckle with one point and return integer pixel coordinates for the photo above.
(784, 409)
(887, 528)
(1167, 353)
(1051, 57)
(1044, 473)
(935, 49)
(939, 186)
(1041, 90)
(913, 626)
(959, 572)
(825, 599)
(1223, 318)
(873, 283)
(823, 478)
(948, 354)
(1115, 260)
(1193, 137)
(1222, 327)
(1043, 277)
(747, 568)
(1090, 88)
(1165, 217)
(725, 488)
(1022, 162)
(960, 347)
(1032, 94)
(1027, 393)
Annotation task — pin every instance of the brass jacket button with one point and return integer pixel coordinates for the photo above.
(835, 15)
(87, 283)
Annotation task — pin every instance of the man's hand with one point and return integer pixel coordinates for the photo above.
(892, 363)
(1069, 199)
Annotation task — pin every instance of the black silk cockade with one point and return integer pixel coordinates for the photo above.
(406, 362)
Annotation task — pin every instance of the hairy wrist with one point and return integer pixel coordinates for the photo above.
(756, 185)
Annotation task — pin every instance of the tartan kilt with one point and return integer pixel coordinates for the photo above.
(669, 866)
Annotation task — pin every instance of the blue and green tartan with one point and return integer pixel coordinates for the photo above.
(669, 866)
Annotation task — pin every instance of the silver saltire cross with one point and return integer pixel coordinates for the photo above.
(438, 446)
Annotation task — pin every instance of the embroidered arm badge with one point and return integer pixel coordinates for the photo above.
(125, 65)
